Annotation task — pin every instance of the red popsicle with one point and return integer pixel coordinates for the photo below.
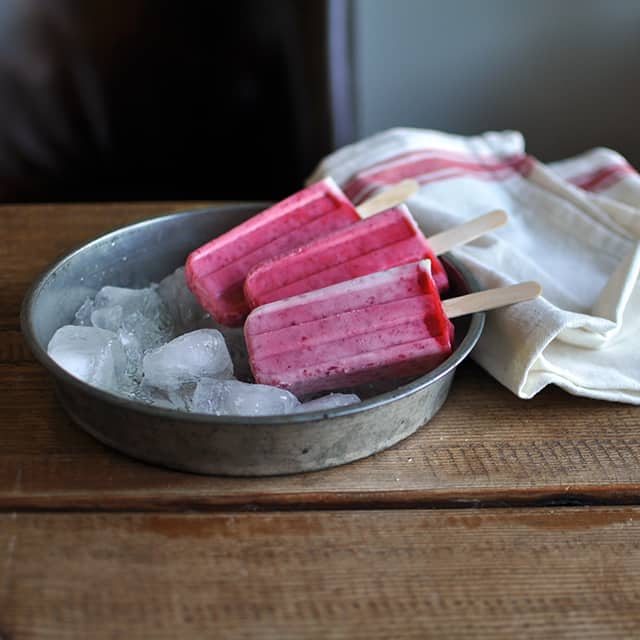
(385, 325)
(216, 271)
(381, 242)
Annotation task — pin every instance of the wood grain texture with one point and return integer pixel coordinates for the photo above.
(541, 573)
(485, 446)
(316, 572)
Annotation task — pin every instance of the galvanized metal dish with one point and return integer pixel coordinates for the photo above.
(236, 446)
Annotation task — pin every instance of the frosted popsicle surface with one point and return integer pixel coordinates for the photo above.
(216, 271)
(384, 241)
(389, 324)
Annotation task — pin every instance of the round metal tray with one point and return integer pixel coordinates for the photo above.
(141, 253)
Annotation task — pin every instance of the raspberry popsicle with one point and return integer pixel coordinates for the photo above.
(216, 271)
(385, 325)
(381, 242)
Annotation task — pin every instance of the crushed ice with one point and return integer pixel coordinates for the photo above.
(158, 346)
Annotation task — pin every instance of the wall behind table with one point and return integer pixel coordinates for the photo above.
(565, 73)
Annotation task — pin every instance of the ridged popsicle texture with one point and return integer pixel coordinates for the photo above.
(388, 324)
(216, 271)
(386, 240)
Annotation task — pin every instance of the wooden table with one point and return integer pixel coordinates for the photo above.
(501, 518)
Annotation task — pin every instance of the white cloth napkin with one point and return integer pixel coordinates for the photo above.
(574, 227)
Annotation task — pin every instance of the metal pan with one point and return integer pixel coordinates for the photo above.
(236, 446)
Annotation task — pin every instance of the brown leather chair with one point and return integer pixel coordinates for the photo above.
(156, 99)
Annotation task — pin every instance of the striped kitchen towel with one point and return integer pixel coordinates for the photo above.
(574, 227)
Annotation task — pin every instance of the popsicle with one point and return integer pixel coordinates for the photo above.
(216, 271)
(386, 240)
(385, 325)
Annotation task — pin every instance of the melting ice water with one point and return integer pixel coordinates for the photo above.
(159, 346)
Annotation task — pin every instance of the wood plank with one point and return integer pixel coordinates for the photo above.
(526, 573)
(484, 447)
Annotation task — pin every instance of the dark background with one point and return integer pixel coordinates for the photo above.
(155, 99)
(565, 73)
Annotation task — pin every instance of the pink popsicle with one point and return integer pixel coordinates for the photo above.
(216, 271)
(388, 324)
(381, 242)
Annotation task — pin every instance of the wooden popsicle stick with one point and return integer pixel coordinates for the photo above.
(391, 197)
(466, 232)
(491, 299)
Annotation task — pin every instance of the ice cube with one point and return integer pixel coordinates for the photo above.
(186, 312)
(89, 353)
(109, 318)
(178, 399)
(140, 311)
(198, 354)
(232, 397)
(138, 316)
(234, 338)
(148, 333)
(83, 314)
(188, 315)
(330, 401)
(146, 300)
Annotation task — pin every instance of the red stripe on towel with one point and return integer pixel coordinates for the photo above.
(433, 166)
(603, 178)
